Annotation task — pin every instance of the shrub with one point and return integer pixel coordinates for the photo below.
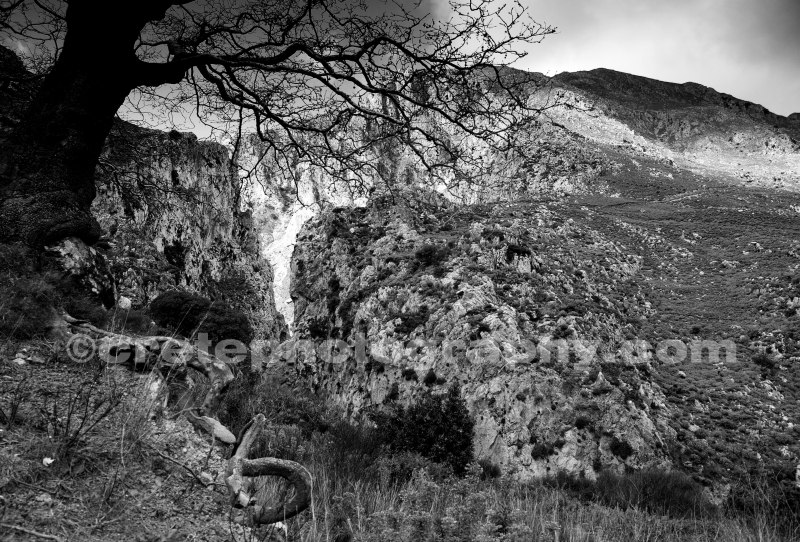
(82, 306)
(659, 492)
(620, 448)
(437, 427)
(131, 321)
(762, 359)
(769, 492)
(348, 448)
(541, 450)
(31, 288)
(185, 314)
(578, 486)
(393, 393)
(318, 328)
(489, 469)
(516, 251)
(399, 468)
(410, 322)
(431, 254)
(582, 422)
(250, 394)
(25, 308)
(430, 378)
(490, 233)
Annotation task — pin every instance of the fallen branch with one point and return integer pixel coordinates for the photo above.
(240, 467)
(170, 356)
(147, 352)
(31, 532)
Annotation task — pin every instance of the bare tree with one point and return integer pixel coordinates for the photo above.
(324, 82)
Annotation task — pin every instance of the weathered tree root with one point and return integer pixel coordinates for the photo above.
(147, 352)
(240, 467)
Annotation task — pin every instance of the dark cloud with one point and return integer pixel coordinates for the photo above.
(745, 48)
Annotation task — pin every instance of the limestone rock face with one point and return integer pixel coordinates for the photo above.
(507, 302)
(175, 217)
(173, 209)
(281, 205)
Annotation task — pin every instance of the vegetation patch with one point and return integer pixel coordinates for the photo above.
(187, 314)
(411, 321)
(438, 427)
(431, 255)
(620, 448)
(33, 289)
(660, 492)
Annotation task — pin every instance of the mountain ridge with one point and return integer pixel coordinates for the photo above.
(686, 94)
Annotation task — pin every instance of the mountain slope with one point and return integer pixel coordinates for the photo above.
(644, 212)
(687, 126)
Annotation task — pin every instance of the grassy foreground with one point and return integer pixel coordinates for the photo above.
(88, 454)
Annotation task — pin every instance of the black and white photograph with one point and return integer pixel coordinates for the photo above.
(399, 271)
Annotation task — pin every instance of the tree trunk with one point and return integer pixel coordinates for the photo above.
(47, 182)
(47, 167)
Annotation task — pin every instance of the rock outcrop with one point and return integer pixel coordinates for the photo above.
(556, 316)
(600, 132)
(510, 302)
(175, 216)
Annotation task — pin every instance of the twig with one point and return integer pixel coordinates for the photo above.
(42, 488)
(31, 532)
(190, 471)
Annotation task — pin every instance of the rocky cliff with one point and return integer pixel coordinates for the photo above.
(174, 213)
(640, 212)
(174, 208)
(573, 326)
(509, 302)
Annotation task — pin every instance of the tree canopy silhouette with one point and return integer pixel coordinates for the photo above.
(319, 81)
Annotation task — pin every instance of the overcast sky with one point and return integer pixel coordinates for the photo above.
(747, 48)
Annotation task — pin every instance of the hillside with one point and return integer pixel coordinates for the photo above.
(689, 126)
(595, 271)
(640, 219)
(656, 235)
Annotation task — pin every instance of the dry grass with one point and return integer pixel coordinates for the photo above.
(89, 457)
(471, 509)
(127, 476)
(363, 494)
